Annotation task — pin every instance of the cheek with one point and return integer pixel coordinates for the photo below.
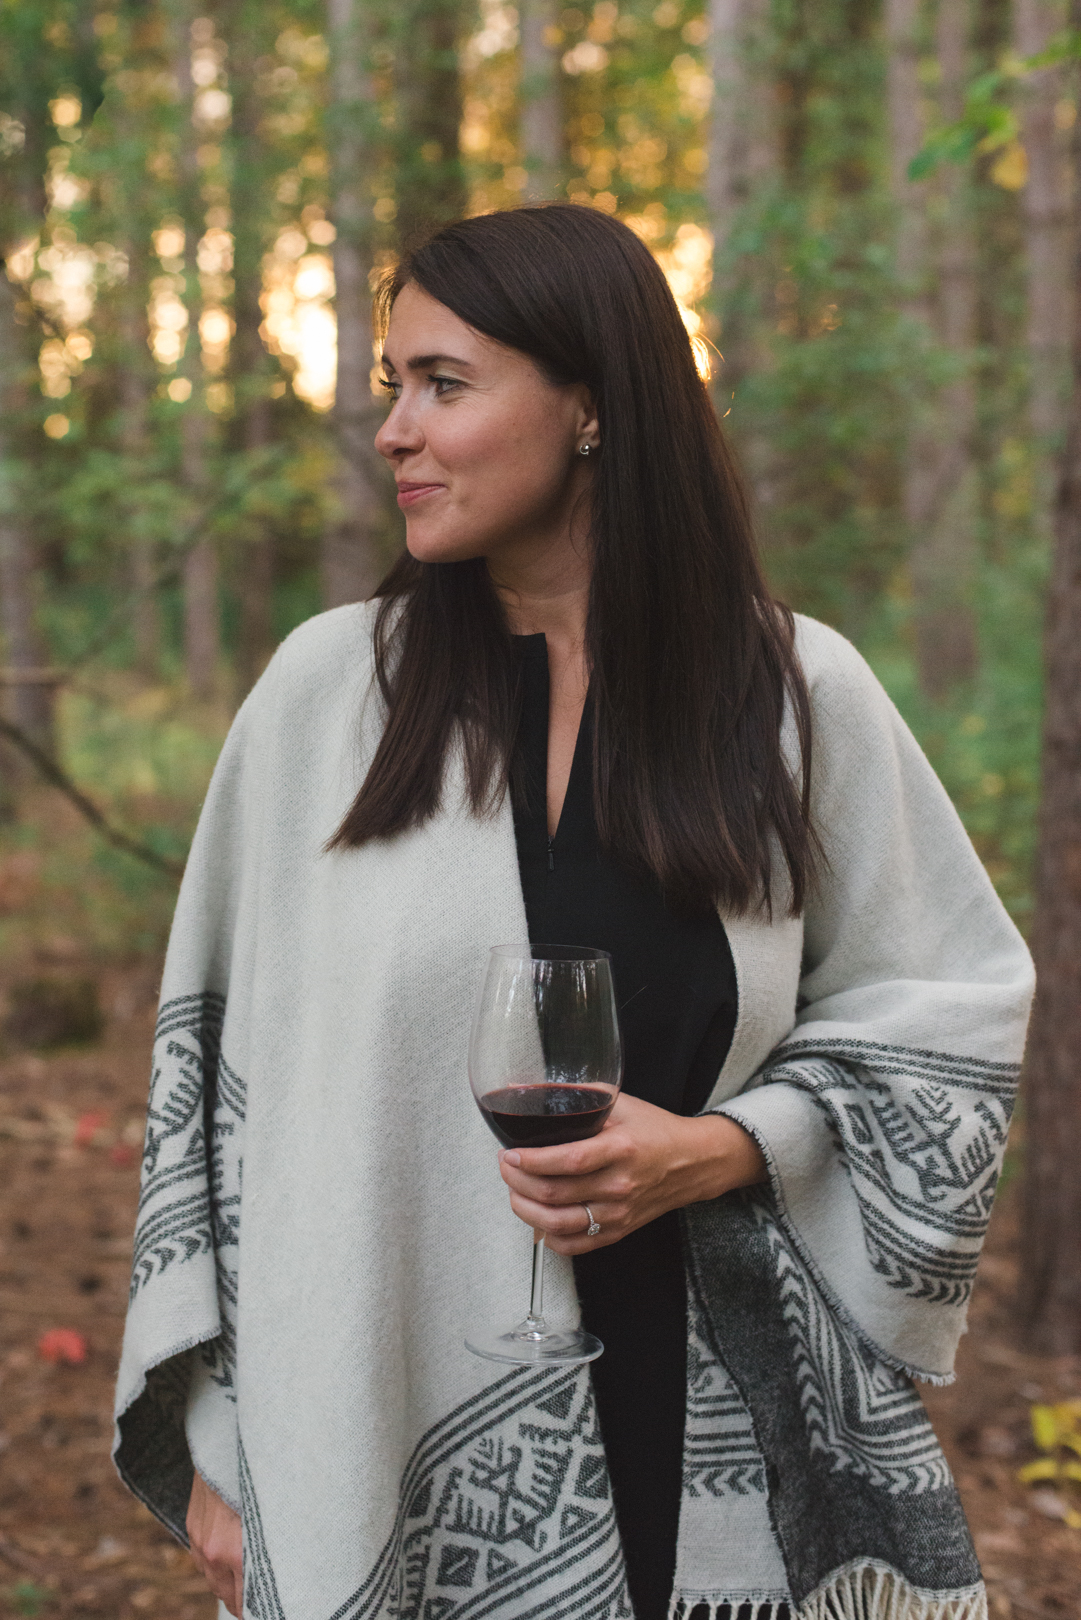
(478, 444)
(506, 467)
(512, 462)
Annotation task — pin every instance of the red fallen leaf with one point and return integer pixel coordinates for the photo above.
(88, 1125)
(62, 1344)
(122, 1155)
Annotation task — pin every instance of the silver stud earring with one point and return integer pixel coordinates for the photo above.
(584, 449)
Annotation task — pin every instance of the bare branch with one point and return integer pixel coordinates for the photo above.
(59, 779)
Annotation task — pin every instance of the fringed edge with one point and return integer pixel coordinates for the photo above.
(865, 1590)
(733, 1606)
(861, 1590)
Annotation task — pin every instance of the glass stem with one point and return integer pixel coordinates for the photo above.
(535, 1320)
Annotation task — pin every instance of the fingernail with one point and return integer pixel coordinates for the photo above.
(513, 1159)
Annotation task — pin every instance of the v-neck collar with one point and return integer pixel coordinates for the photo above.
(576, 822)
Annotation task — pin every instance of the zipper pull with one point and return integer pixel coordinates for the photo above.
(551, 856)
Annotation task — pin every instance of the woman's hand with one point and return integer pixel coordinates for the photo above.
(644, 1162)
(214, 1533)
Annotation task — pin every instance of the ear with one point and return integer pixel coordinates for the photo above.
(586, 425)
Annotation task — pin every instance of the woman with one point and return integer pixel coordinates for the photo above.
(573, 713)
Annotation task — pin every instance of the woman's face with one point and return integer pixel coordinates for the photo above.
(485, 451)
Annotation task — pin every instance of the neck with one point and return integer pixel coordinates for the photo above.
(546, 593)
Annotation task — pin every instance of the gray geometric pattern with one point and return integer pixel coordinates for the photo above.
(922, 1134)
(260, 1587)
(863, 1415)
(720, 1453)
(195, 1097)
(505, 1512)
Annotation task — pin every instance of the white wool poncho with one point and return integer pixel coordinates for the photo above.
(322, 1220)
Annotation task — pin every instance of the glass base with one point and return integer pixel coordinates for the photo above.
(536, 1344)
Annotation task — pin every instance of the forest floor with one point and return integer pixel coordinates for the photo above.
(73, 1543)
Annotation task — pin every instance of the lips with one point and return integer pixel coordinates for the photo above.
(410, 493)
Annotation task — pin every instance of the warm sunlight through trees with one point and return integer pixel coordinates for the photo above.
(868, 215)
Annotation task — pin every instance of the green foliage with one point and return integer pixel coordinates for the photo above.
(824, 399)
(988, 121)
(826, 370)
(27, 1598)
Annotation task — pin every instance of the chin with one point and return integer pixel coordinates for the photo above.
(435, 548)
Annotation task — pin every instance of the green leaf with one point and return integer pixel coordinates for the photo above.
(28, 1599)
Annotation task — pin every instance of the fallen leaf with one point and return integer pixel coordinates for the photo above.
(996, 1442)
(109, 1550)
(88, 1125)
(1049, 1503)
(998, 1541)
(62, 1345)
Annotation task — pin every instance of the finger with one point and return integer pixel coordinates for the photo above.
(571, 1158)
(571, 1246)
(560, 1191)
(580, 1242)
(223, 1586)
(571, 1222)
(223, 1581)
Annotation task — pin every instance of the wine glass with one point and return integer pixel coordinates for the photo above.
(545, 1065)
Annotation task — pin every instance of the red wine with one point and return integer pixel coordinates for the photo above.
(544, 1116)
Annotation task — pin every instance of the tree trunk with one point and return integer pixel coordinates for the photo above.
(23, 207)
(911, 247)
(742, 142)
(29, 705)
(743, 153)
(1051, 1230)
(132, 199)
(905, 139)
(726, 176)
(432, 187)
(135, 387)
(146, 617)
(250, 365)
(939, 482)
(541, 99)
(943, 556)
(350, 563)
(256, 582)
(202, 631)
(1045, 207)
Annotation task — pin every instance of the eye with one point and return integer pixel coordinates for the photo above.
(390, 387)
(444, 384)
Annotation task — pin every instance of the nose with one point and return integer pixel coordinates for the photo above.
(400, 434)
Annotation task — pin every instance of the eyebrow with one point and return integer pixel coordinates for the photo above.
(420, 362)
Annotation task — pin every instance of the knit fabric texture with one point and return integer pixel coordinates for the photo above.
(322, 1221)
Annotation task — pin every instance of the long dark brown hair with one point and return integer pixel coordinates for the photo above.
(690, 656)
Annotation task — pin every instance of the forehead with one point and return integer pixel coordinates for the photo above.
(422, 331)
(420, 324)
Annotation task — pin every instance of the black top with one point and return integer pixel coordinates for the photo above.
(676, 989)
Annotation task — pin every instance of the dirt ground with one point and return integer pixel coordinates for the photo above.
(74, 1543)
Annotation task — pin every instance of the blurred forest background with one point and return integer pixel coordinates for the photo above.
(196, 197)
(866, 209)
